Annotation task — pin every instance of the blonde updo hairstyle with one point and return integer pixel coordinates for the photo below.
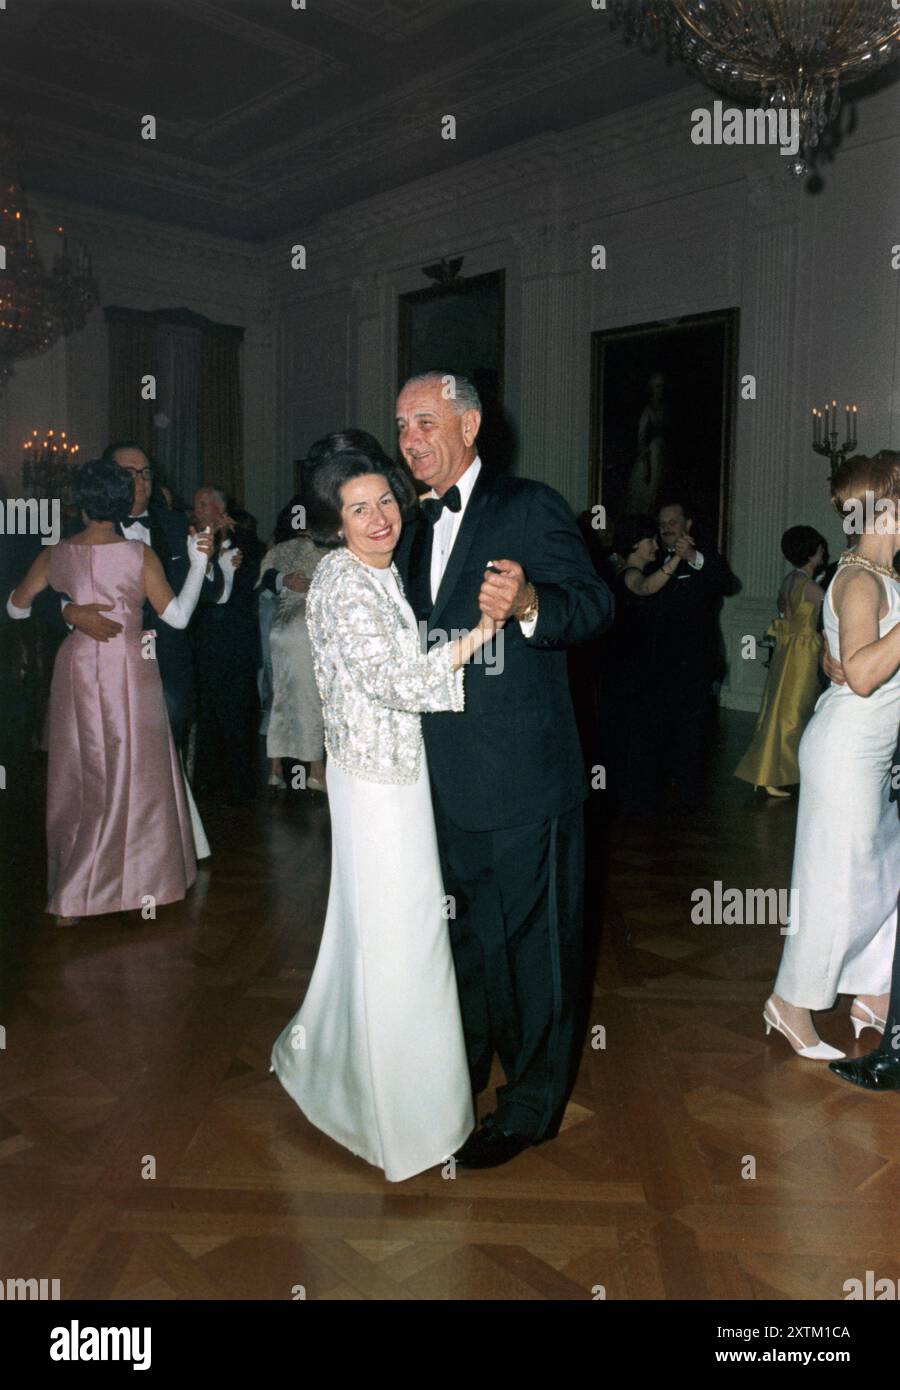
(859, 476)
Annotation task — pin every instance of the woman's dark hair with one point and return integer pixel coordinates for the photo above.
(339, 442)
(104, 490)
(631, 530)
(324, 481)
(800, 543)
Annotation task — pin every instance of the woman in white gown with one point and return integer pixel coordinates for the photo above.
(375, 1057)
(847, 853)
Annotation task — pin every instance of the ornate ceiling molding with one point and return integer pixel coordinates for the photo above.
(534, 59)
(115, 230)
(393, 20)
(538, 57)
(517, 175)
(269, 39)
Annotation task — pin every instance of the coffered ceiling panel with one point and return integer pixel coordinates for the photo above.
(268, 117)
(395, 20)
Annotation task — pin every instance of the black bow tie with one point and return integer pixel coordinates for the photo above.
(433, 506)
(138, 520)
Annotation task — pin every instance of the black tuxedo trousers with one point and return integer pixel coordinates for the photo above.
(517, 940)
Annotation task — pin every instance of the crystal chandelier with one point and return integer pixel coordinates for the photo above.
(36, 307)
(792, 54)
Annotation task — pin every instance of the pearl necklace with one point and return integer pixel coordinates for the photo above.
(850, 557)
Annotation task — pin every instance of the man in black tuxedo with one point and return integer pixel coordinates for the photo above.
(227, 646)
(689, 653)
(166, 531)
(507, 776)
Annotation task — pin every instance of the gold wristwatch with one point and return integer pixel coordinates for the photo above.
(531, 611)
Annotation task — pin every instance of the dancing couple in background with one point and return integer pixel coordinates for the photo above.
(456, 786)
(119, 813)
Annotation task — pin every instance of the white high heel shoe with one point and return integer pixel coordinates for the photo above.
(873, 1021)
(822, 1052)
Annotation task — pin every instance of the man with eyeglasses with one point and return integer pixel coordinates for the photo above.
(166, 531)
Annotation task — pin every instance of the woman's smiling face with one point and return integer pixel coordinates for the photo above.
(370, 519)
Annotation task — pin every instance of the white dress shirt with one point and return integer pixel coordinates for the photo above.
(136, 532)
(446, 529)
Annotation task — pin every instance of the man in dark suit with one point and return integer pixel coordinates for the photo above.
(507, 776)
(227, 646)
(689, 654)
(166, 531)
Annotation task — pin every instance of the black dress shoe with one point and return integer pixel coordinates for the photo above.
(877, 1071)
(489, 1147)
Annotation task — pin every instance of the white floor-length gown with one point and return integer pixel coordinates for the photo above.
(375, 1057)
(847, 852)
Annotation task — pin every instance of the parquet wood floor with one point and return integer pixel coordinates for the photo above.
(127, 1042)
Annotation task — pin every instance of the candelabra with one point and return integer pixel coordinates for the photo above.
(825, 434)
(49, 466)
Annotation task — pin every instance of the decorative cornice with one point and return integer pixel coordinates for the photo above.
(517, 175)
(119, 229)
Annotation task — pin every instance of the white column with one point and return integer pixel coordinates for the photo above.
(374, 373)
(554, 358)
(268, 475)
(769, 428)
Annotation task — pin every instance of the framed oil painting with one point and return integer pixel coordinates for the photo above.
(662, 417)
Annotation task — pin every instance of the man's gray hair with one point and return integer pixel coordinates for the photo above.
(218, 493)
(459, 390)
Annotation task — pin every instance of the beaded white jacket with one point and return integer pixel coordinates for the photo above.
(372, 675)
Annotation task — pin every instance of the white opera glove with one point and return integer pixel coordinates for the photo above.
(15, 612)
(195, 555)
(179, 611)
(228, 560)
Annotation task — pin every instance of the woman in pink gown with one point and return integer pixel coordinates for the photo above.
(118, 825)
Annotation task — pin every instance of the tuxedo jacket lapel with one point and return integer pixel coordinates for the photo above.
(418, 577)
(463, 544)
(159, 540)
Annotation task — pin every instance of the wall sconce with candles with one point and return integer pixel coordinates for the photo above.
(825, 434)
(49, 465)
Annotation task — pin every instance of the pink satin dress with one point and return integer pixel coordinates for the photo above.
(118, 825)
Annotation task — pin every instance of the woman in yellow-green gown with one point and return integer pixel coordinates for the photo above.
(792, 688)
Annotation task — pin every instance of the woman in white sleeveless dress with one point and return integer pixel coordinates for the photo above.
(375, 1057)
(847, 853)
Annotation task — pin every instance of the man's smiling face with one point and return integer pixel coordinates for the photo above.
(436, 441)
